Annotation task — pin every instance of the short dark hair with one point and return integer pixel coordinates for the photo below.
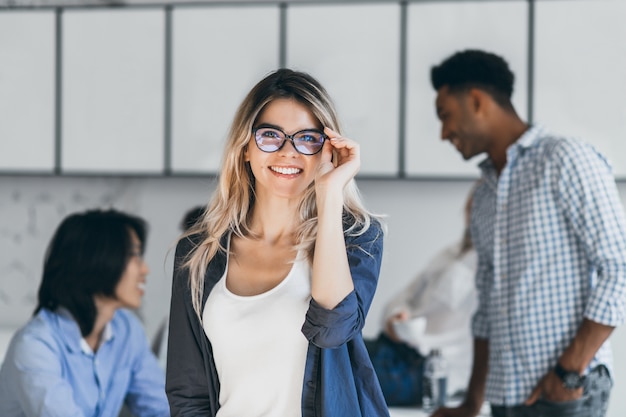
(474, 68)
(191, 217)
(87, 257)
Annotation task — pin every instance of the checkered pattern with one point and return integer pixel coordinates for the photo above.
(551, 239)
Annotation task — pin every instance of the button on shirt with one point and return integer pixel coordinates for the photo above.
(551, 239)
(50, 371)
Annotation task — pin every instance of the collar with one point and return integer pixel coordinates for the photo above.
(528, 139)
(73, 338)
(107, 334)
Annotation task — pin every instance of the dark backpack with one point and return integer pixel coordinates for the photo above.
(400, 369)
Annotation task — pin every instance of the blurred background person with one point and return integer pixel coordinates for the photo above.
(83, 353)
(191, 217)
(433, 312)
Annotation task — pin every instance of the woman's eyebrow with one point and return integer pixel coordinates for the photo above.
(269, 125)
(283, 130)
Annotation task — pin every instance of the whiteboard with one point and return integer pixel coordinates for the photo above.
(580, 87)
(113, 91)
(219, 53)
(436, 31)
(354, 51)
(27, 101)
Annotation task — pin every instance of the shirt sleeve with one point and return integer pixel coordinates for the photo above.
(480, 321)
(590, 201)
(146, 391)
(36, 370)
(330, 328)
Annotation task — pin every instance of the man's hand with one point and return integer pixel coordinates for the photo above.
(551, 388)
(463, 410)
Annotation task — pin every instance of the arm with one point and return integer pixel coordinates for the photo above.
(186, 383)
(576, 357)
(480, 328)
(40, 386)
(476, 390)
(331, 328)
(331, 279)
(146, 391)
(342, 287)
(586, 193)
(580, 352)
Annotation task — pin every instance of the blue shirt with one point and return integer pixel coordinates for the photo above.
(339, 379)
(551, 240)
(50, 371)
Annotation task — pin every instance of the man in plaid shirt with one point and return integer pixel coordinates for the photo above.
(550, 233)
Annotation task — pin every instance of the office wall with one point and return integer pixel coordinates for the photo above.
(563, 79)
(163, 80)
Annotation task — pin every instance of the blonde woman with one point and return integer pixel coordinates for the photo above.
(272, 287)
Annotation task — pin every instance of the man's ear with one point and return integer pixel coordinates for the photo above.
(479, 100)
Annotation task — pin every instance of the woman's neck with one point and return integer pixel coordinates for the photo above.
(106, 310)
(275, 221)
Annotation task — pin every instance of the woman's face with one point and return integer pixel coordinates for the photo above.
(130, 288)
(285, 173)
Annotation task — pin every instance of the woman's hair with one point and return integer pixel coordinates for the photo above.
(86, 258)
(231, 205)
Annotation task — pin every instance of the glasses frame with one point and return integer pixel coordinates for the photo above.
(290, 137)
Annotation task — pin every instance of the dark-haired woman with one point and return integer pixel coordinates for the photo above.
(83, 354)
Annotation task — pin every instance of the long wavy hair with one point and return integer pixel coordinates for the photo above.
(230, 207)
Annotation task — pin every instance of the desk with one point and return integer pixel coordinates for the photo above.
(418, 412)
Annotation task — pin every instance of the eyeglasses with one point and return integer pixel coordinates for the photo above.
(306, 142)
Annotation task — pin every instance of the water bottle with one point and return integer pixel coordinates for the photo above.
(435, 381)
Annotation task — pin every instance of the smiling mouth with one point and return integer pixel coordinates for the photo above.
(286, 170)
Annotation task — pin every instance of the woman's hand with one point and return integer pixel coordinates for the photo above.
(348, 162)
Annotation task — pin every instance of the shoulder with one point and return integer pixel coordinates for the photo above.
(187, 243)
(359, 232)
(571, 152)
(42, 328)
(365, 240)
(126, 318)
(38, 341)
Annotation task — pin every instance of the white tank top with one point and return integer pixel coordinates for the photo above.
(258, 346)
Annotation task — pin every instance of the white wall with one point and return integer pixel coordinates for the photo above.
(423, 216)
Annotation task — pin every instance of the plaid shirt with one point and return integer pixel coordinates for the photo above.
(550, 234)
